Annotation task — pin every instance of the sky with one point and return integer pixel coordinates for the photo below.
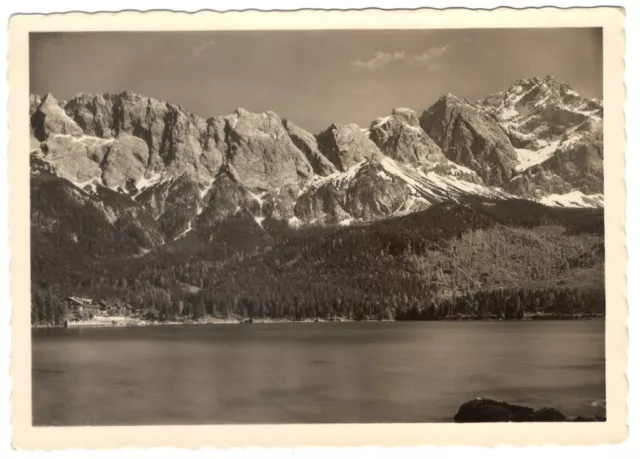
(313, 78)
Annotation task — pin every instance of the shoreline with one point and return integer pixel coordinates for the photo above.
(109, 322)
(119, 322)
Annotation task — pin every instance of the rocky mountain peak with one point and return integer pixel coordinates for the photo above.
(346, 145)
(260, 149)
(538, 139)
(239, 111)
(406, 115)
(48, 118)
(49, 99)
(557, 135)
(308, 145)
(400, 137)
(469, 137)
(537, 95)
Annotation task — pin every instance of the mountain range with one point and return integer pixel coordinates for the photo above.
(116, 176)
(538, 139)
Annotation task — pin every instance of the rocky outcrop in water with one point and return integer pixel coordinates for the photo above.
(489, 410)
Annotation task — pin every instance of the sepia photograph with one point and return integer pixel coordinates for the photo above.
(353, 226)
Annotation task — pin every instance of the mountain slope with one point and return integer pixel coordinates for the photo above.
(468, 136)
(155, 177)
(558, 137)
(473, 258)
(167, 159)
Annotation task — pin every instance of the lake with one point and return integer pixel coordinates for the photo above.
(312, 372)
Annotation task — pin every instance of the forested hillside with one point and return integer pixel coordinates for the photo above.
(499, 259)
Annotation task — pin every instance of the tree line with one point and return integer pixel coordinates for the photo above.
(294, 304)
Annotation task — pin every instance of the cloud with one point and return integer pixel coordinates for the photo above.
(202, 47)
(380, 59)
(430, 56)
(429, 59)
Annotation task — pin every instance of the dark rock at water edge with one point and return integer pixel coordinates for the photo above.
(488, 410)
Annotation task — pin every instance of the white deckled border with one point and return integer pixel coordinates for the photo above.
(614, 430)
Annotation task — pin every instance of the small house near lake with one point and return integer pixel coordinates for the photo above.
(80, 308)
(86, 308)
(114, 307)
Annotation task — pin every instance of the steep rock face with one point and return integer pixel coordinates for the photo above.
(96, 115)
(226, 198)
(468, 136)
(172, 135)
(125, 162)
(213, 141)
(346, 145)
(308, 145)
(539, 109)
(117, 163)
(34, 102)
(262, 153)
(174, 203)
(49, 118)
(554, 130)
(536, 182)
(575, 165)
(579, 159)
(73, 158)
(369, 194)
(184, 173)
(381, 188)
(400, 137)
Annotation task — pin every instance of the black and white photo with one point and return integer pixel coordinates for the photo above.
(354, 226)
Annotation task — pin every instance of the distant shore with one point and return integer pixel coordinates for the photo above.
(121, 321)
(106, 322)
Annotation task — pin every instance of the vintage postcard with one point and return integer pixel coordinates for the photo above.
(318, 228)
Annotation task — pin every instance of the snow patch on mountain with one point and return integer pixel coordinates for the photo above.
(399, 169)
(339, 179)
(146, 182)
(436, 187)
(90, 139)
(183, 234)
(412, 204)
(528, 157)
(294, 222)
(380, 121)
(573, 199)
(205, 187)
(259, 198)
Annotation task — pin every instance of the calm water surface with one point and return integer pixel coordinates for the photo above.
(316, 372)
